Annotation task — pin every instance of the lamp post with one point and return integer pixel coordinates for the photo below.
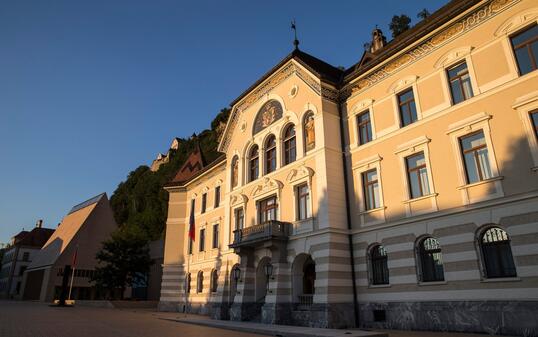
(236, 274)
(268, 272)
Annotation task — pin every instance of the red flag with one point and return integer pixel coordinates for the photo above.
(74, 263)
(192, 228)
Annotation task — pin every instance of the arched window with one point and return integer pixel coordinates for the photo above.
(200, 282)
(497, 254)
(214, 281)
(309, 128)
(380, 270)
(188, 283)
(431, 263)
(290, 149)
(254, 163)
(235, 171)
(270, 154)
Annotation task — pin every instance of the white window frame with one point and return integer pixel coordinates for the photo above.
(474, 123)
(398, 87)
(373, 162)
(366, 105)
(524, 105)
(405, 150)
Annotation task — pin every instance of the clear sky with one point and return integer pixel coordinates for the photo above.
(89, 90)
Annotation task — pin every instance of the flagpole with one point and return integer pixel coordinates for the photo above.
(73, 273)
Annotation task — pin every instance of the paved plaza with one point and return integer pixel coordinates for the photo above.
(33, 319)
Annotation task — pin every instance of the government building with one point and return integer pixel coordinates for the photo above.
(399, 193)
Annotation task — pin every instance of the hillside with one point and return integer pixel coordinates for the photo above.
(141, 201)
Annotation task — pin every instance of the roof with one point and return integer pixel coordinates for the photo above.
(37, 237)
(194, 175)
(66, 231)
(193, 164)
(418, 31)
(87, 203)
(320, 68)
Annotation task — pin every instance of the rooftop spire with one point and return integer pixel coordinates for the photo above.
(295, 41)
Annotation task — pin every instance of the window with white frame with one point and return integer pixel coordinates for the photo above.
(417, 175)
(303, 202)
(267, 209)
(370, 185)
(215, 241)
(460, 82)
(364, 127)
(475, 157)
(239, 218)
(407, 107)
(525, 46)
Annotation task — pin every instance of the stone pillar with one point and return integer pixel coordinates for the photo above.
(277, 307)
(244, 306)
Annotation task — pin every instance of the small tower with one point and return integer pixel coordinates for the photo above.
(378, 40)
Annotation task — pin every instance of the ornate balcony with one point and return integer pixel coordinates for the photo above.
(260, 235)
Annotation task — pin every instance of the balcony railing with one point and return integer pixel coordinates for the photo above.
(266, 231)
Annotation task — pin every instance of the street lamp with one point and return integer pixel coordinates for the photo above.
(268, 270)
(236, 274)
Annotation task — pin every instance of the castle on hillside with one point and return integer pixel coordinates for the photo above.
(164, 158)
(399, 193)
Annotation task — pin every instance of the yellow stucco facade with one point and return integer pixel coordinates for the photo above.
(402, 192)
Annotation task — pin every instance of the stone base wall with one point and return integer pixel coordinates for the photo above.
(519, 318)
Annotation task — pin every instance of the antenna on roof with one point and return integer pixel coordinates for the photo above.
(295, 41)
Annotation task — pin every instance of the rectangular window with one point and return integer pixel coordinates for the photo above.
(408, 110)
(475, 157)
(26, 256)
(534, 121)
(215, 236)
(370, 189)
(303, 202)
(204, 202)
(364, 126)
(525, 46)
(460, 83)
(417, 175)
(267, 209)
(201, 246)
(217, 196)
(239, 218)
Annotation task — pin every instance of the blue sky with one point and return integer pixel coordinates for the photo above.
(89, 90)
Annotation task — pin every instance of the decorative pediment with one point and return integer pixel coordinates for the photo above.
(268, 185)
(452, 56)
(402, 83)
(299, 173)
(238, 199)
(517, 21)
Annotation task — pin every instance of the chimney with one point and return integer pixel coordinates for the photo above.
(378, 40)
(39, 223)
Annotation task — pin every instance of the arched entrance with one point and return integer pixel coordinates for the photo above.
(304, 277)
(235, 273)
(261, 280)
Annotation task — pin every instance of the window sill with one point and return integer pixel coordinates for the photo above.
(373, 210)
(481, 182)
(501, 279)
(374, 286)
(534, 169)
(432, 195)
(432, 283)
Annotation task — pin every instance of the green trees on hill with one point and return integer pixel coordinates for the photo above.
(140, 200)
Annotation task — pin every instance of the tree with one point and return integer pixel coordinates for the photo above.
(124, 261)
(423, 14)
(399, 24)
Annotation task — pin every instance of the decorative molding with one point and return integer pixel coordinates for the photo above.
(457, 29)
(238, 199)
(467, 122)
(412, 144)
(452, 56)
(402, 83)
(517, 21)
(367, 162)
(268, 185)
(299, 173)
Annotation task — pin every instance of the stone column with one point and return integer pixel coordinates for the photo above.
(244, 302)
(277, 307)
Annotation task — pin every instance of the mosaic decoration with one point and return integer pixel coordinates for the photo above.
(269, 113)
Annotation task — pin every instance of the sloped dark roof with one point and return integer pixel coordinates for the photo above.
(181, 180)
(320, 68)
(194, 163)
(421, 29)
(36, 238)
(86, 203)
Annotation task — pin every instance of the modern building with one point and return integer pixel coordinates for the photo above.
(81, 232)
(399, 193)
(22, 249)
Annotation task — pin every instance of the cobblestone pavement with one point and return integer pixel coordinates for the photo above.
(32, 319)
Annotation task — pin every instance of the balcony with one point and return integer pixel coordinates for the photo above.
(264, 234)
